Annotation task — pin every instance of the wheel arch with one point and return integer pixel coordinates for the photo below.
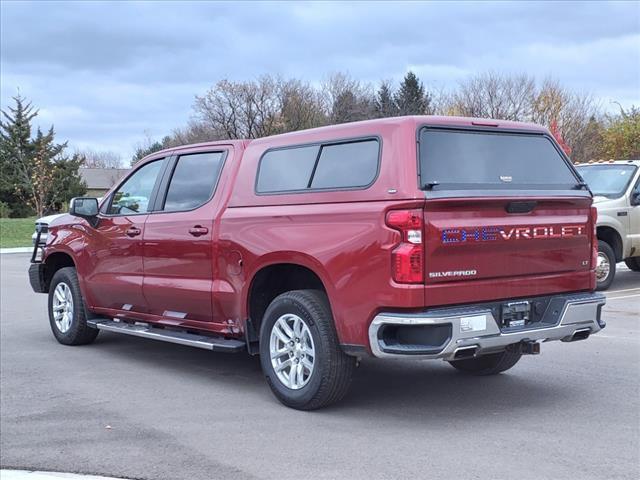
(54, 262)
(276, 277)
(611, 236)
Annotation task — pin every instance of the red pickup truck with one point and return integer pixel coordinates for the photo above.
(461, 239)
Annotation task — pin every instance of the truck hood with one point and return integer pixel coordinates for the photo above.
(600, 199)
(60, 219)
(49, 218)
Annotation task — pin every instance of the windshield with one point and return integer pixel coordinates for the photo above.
(467, 159)
(609, 181)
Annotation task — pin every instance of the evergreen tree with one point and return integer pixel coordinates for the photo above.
(67, 181)
(411, 98)
(384, 105)
(16, 148)
(36, 175)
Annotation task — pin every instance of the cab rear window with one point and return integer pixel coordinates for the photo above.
(467, 159)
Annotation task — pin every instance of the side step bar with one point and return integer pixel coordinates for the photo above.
(215, 344)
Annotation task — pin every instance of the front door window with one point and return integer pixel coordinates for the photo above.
(134, 194)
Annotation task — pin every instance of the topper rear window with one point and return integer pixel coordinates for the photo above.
(470, 159)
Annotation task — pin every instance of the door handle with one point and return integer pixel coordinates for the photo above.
(198, 230)
(133, 232)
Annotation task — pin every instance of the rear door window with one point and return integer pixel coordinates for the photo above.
(458, 159)
(193, 180)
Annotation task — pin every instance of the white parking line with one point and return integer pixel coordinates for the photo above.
(613, 337)
(623, 296)
(623, 290)
(30, 475)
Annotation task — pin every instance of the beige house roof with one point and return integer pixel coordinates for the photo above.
(102, 178)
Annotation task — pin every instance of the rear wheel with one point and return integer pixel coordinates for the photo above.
(490, 364)
(67, 315)
(300, 354)
(605, 266)
(633, 263)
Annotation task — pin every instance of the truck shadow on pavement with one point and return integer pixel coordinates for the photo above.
(390, 388)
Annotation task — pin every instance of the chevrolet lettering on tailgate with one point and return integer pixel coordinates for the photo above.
(491, 234)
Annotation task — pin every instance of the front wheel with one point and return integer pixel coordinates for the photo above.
(633, 263)
(605, 266)
(490, 364)
(67, 315)
(300, 354)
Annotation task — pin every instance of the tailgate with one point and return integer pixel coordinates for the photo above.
(493, 238)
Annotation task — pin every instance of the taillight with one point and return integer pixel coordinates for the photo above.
(594, 237)
(407, 259)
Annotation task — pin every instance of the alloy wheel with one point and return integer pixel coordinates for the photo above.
(292, 351)
(62, 307)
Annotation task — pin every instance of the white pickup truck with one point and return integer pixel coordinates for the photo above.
(616, 191)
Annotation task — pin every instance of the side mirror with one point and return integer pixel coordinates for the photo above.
(85, 207)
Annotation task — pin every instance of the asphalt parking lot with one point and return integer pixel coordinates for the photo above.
(141, 409)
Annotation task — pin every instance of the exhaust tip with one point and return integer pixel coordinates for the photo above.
(581, 335)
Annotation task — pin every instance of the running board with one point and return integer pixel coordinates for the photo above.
(216, 344)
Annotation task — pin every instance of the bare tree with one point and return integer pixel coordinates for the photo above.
(567, 111)
(301, 106)
(347, 99)
(100, 159)
(519, 98)
(442, 102)
(194, 132)
(492, 95)
(271, 105)
(241, 109)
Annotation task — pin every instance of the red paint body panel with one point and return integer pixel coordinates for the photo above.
(173, 278)
(178, 273)
(179, 268)
(113, 268)
(499, 244)
(347, 246)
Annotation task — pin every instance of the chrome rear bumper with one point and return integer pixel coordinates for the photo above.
(577, 319)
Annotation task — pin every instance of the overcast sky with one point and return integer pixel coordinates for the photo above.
(106, 74)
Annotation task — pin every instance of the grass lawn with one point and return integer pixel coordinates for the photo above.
(16, 232)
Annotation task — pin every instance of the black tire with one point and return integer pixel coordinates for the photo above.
(607, 251)
(332, 368)
(78, 333)
(633, 263)
(490, 364)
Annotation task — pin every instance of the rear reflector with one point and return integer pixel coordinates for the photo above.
(407, 258)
